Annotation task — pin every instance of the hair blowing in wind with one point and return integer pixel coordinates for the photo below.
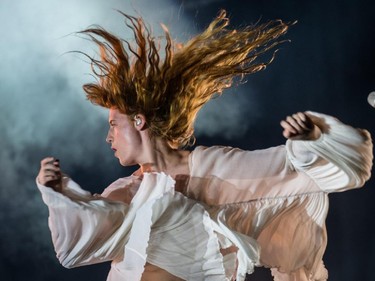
(170, 90)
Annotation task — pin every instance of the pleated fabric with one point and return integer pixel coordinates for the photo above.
(270, 204)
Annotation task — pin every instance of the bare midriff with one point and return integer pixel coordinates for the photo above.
(153, 273)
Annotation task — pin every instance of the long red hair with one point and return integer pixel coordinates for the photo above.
(170, 91)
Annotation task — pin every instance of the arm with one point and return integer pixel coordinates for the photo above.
(322, 155)
(339, 159)
(82, 226)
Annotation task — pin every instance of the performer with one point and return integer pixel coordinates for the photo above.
(213, 213)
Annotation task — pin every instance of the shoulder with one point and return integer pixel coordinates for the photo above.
(214, 153)
(224, 160)
(216, 150)
(122, 189)
(205, 158)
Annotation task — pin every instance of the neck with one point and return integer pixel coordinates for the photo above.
(160, 157)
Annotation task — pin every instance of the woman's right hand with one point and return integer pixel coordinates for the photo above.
(50, 173)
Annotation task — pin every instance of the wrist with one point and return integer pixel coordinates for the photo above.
(315, 133)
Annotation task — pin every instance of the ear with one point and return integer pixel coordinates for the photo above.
(139, 122)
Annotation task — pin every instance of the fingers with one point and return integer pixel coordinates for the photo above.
(305, 121)
(50, 173)
(50, 165)
(298, 125)
(46, 160)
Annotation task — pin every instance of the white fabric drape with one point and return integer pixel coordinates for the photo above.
(271, 204)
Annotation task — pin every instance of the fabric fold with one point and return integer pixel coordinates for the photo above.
(346, 155)
(270, 204)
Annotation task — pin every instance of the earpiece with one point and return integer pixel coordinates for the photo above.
(138, 121)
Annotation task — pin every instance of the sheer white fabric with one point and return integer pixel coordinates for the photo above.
(271, 204)
(159, 226)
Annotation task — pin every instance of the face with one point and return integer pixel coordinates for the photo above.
(124, 138)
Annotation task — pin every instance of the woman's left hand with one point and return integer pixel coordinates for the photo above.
(299, 126)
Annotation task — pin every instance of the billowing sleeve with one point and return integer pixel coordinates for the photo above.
(339, 160)
(279, 195)
(82, 225)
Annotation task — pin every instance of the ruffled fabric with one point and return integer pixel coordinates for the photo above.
(171, 232)
(82, 225)
(279, 196)
(345, 155)
(271, 204)
(159, 226)
(286, 233)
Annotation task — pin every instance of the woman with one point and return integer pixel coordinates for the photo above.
(215, 212)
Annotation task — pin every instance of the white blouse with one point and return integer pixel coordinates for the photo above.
(271, 204)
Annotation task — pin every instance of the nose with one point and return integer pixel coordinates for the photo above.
(109, 138)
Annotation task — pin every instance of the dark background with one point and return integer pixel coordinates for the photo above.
(327, 67)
